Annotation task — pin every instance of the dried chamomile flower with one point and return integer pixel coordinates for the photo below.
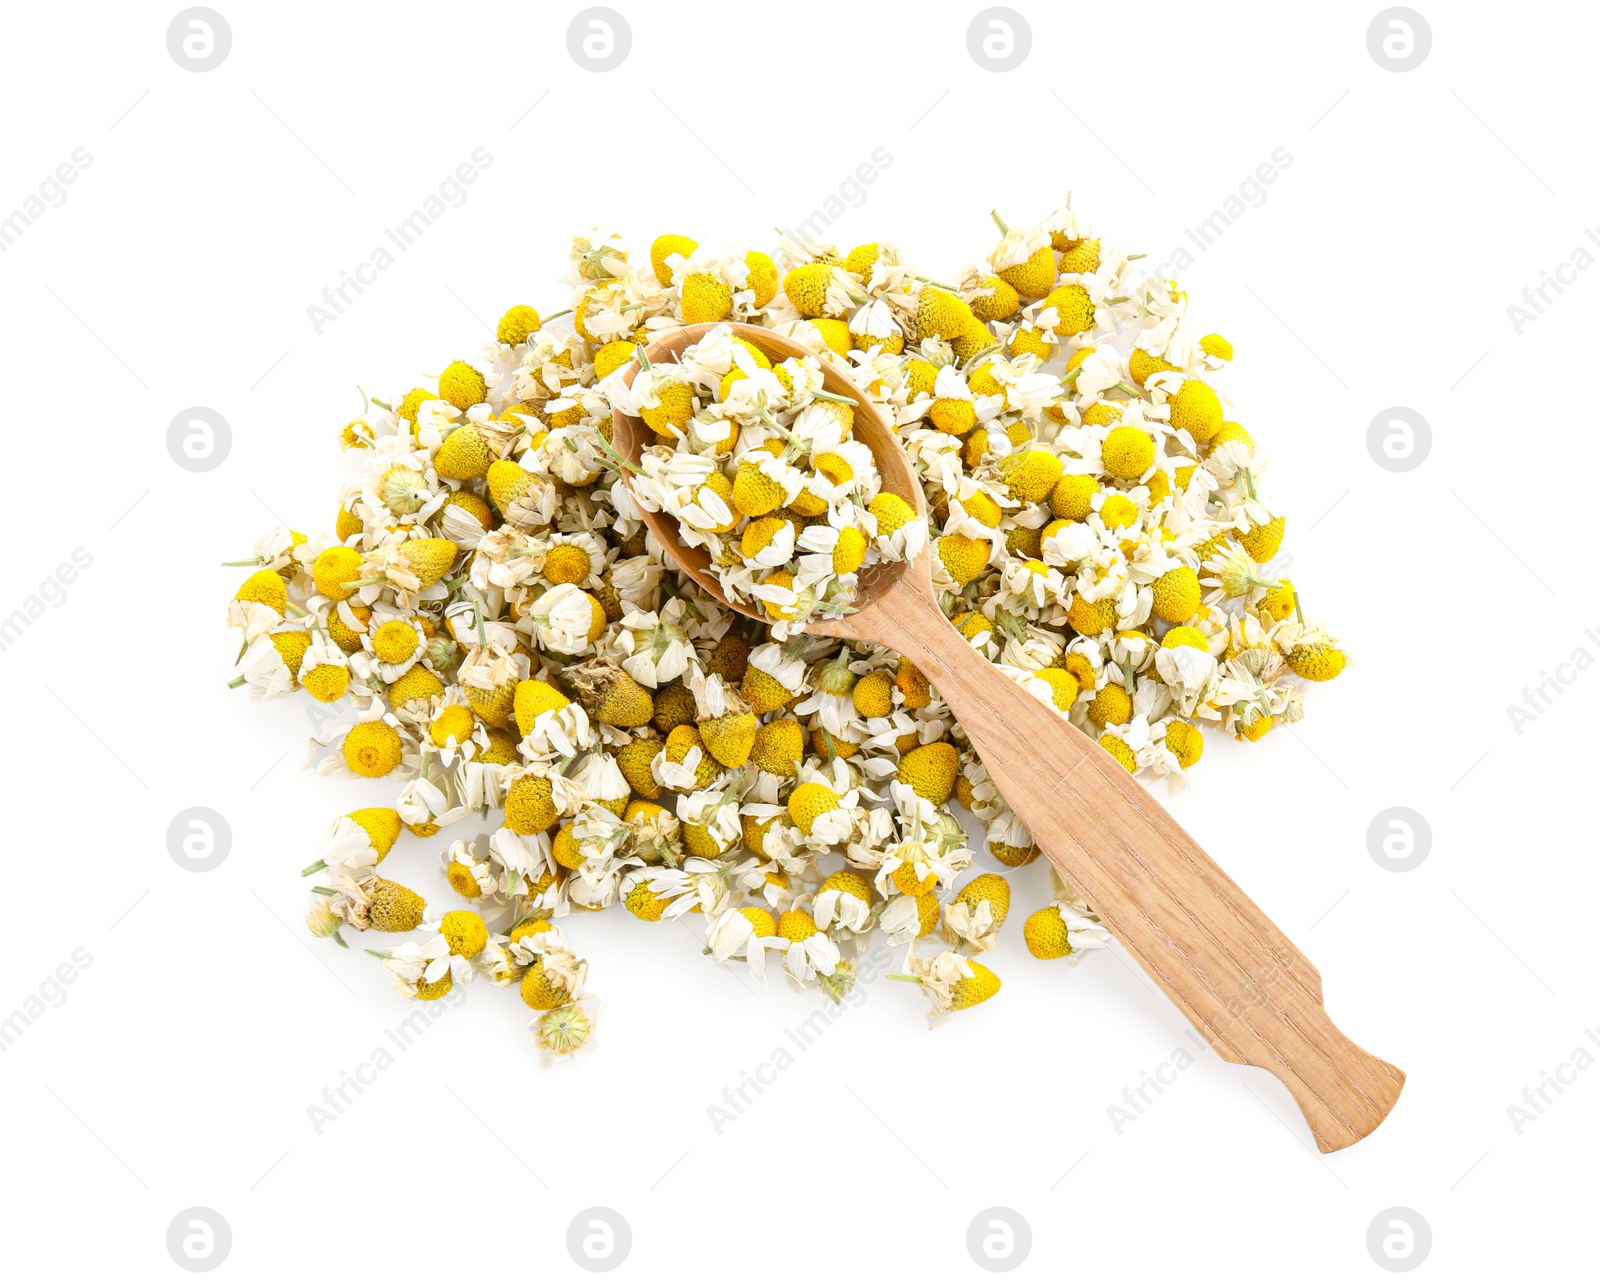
(564, 1032)
(1060, 931)
(950, 981)
(425, 970)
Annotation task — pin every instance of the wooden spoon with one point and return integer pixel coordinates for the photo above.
(1232, 972)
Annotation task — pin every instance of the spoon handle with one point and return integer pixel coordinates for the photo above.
(1232, 972)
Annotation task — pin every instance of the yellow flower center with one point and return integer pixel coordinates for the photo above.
(372, 749)
(835, 468)
(395, 641)
(453, 722)
(566, 563)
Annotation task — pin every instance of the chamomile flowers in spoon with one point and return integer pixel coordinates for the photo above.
(759, 465)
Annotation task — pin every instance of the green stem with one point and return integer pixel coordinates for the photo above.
(324, 891)
(793, 445)
(318, 865)
(828, 395)
(363, 582)
(999, 222)
(607, 448)
(239, 564)
(236, 682)
(556, 315)
(1013, 626)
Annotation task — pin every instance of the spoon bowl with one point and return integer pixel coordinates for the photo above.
(630, 437)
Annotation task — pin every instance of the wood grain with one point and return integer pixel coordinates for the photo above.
(1232, 972)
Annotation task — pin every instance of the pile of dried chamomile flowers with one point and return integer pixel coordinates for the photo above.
(499, 636)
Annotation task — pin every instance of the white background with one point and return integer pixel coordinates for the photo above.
(180, 1067)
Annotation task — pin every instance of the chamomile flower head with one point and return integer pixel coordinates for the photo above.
(324, 670)
(1023, 259)
(393, 647)
(373, 902)
(564, 1032)
(1176, 594)
(951, 982)
(930, 770)
(425, 970)
(1067, 311)
(356, 842)
(1060, 932)
(974, 916)
(1315, 659)
(747, 933)
(468, 870)
(810, 955)
(1127, 453)
(1196, 409)
(1031, 474)
(844, 900)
